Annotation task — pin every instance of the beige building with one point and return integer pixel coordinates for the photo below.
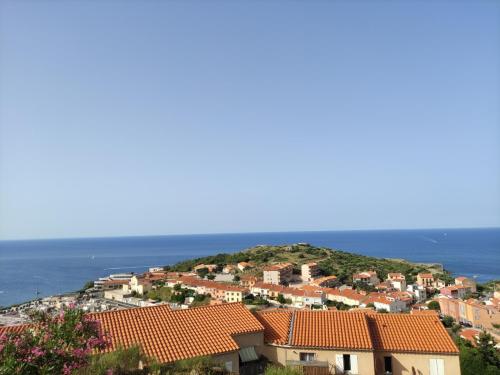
(138, 284)
(467, 282)
(309, 271)
(278, 273)
(337, 342)
(425, 280)
(367, 277)
(360, 343)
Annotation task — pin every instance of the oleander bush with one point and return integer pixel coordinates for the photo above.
(53, 344)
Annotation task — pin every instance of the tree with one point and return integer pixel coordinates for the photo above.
(55, 344)
(473, 361)
(202, 272)
(237, 278)
(210, 276)
(434, 305)
(486, 347)
(281, 299)
(448, 321)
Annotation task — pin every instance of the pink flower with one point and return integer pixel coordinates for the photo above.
(37, 351)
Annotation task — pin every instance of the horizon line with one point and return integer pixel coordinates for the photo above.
(236, 233)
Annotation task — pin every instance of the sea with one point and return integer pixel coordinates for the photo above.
(31, 268)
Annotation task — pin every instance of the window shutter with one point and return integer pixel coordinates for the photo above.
(354, 364)
(436, 366)
(440, 366)
(339, 364)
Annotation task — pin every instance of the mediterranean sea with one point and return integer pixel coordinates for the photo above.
(64, 265)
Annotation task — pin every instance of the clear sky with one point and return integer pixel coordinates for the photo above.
(162, 117)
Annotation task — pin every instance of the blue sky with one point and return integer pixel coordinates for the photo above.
(151, 117)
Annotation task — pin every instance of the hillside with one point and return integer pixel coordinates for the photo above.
(332, 262)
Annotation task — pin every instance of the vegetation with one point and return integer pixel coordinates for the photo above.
(120, 361)
(434, 305)
(338, 305)
(483, 359)
(194, 366)
(331, 262)
(278, 370)
(448, 321)
(57, 344)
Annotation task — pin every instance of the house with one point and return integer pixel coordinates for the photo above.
(269, 290)
(209, 267)
(397, 281)
(248, 281)
(139, 284)
(367, 277)
(455, 291)
(221, 291)
(325, 282)
(466, 281)
(304, 298)
(226, 332)
(356, 343)
(309, 271)
(419, 292)
(384, 302)
(278, 273)
(111, 284)
(228, 268)
(242, 266)
(470, 312)
(347, 296)
(471, 335)
(425, 279)
(359, 343)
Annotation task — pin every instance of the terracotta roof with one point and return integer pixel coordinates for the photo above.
(470, 335)
(425, 275)
(277, 267)
(410, 333)
(330, 329)
(276, 324)
(173, 335)
(193, 281)
(116, 282)
(13, 329)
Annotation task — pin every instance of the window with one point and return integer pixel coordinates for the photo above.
(307, 357)
(388, 364)
(229, 366)
(347, 362)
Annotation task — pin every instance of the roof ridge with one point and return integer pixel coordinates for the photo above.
(290, 331)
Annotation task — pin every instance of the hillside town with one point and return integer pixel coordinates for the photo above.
(282, 307)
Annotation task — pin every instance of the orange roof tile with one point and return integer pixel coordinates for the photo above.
(173, 335)
(13, 329)
(276, 324)
(331, 329)
(410, 333)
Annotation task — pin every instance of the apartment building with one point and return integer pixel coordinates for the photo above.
(425, 279)
(470, 312)
(278, 273)
(397, 281)
(309, 271)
